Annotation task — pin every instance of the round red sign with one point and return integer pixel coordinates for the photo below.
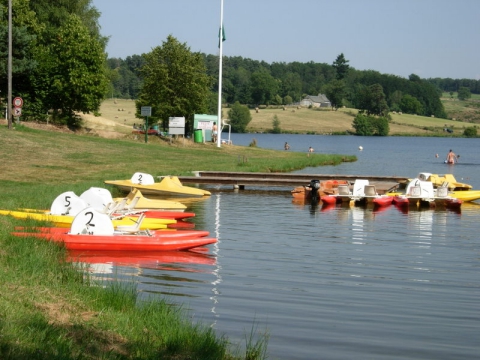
(18, 102)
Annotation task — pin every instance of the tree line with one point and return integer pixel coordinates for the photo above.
(254, 83)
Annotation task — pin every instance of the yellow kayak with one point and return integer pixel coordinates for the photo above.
(169, 185)
(66, 220)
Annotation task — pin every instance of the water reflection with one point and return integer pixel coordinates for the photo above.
(104, 262)
(216, 252)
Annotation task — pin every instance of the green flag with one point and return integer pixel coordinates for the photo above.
(221, 34)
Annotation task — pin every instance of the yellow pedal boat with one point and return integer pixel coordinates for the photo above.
(66, 220)
(145, 203)
(456, 189)
(169, 186)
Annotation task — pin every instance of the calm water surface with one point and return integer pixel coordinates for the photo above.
(333, 283)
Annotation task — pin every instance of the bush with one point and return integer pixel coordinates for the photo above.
(240, 117)
(276, 125)
(470, 131)
(368, 125)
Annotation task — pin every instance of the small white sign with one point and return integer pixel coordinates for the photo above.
(178, 122)
(17, 111)
(205, 125)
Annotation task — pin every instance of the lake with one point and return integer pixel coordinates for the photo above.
(332, 283)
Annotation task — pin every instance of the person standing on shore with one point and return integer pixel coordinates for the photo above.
(451, 158)
(214, 132)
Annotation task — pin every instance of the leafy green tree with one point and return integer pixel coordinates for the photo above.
(335, 92)
(362, 125)
(341, 66)
(410, 105)
(264, 87)
(240, 117)
(175, 82)
(277, 100)
(25, 33)
(464, 93)
(470, 131)
(414, 78)
(73, 71)
(276, 125)
(292, 86)
(54, 15)
(380, 126)
(125, 77)
(394, 100)
(372, 100)
(47, 72)
(367, 125)
(287, 100)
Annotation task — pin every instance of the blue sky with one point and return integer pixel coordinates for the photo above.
(430, 38)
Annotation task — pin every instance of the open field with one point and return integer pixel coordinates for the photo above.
(327, 121)
(468, 110)
(117, 119)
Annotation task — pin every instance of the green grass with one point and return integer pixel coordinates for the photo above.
(50, 310)
(43, 157)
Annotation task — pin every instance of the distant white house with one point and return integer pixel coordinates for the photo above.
(315, 101)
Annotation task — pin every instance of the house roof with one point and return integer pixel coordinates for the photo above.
(320, 98)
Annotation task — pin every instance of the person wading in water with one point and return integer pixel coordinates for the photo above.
(451, 157)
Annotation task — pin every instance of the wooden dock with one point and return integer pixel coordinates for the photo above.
(242, 179)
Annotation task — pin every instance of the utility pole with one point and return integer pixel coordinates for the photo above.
(9, 96)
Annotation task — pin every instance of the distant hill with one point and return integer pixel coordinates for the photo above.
(468, 111)
(118, 117)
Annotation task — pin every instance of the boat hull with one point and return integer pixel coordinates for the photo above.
(65, 221)
(124, 242)
(56, 233)
(465, 195)
(382, 200)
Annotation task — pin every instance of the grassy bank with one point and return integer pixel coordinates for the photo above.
(50, 310)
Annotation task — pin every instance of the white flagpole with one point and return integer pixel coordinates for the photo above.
(220, 60)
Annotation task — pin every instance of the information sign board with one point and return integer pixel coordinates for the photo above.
(178, 122)
(146, 111)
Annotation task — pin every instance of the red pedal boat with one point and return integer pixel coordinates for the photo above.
(92, 230)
